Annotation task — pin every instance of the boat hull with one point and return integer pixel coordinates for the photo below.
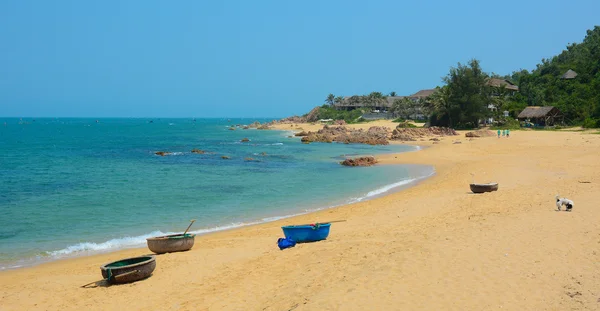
(129, 270)
(481, 188)
(307, 233)
(171, 243)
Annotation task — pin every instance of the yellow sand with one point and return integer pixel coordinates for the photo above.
(435, 246)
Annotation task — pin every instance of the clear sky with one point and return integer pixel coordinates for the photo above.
(258, 58)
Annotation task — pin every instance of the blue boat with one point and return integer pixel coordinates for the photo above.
(307, 233)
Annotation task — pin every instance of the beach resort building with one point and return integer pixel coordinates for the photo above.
(569, 75)
(380, 109)
(541, 116)
(500, 88)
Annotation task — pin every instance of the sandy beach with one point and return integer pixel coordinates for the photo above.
(435, 246)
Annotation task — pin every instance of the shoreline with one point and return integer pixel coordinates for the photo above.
(370, 194)
(451, 249)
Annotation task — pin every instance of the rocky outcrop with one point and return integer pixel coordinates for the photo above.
(303, 133)
(225, 157)
(263, 127)
(361, 161)
(253, 125)
(292, 119)
(411, 134)
(163, 153)
(373, 136)
(244, 140)
(313, 115)
(480, 133)
(232, 128)
(198, 151)
(406, 124)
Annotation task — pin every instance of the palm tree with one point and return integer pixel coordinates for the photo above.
(330, 99)
(440, 102)
(375, 99)
(338, 100)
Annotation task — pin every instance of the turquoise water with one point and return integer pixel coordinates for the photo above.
(72, 187)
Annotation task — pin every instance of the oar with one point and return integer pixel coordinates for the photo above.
(188, 228)
(116, 277)
(325, 222)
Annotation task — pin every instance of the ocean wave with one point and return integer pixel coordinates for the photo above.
(131, 242)
(386, 188)
(118, 243)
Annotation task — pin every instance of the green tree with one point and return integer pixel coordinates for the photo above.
(330, 100)
(469, 94)
(374, 99)
(338, 100)
(578, 98)
(392, 94)
(440, 106)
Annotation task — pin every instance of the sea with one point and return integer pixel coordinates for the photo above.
(76, 187)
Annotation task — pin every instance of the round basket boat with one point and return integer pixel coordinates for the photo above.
(307, 233)
(129, 270)
(481, 188)
(171, 243)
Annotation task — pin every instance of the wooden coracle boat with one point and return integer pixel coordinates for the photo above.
(481, 188)
(128, 270)
(171, 243)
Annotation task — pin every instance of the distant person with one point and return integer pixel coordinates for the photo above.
(498, 133)
(507, 133)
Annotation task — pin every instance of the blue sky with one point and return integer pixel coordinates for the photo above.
(258, 58)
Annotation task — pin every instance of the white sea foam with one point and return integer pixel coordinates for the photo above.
(386, 188)
(131, 242)
(118, 243)
(277, 144)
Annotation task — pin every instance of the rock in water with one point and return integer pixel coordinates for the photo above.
(198, 151)
(163, 153)
(245, 140)
(361, 161)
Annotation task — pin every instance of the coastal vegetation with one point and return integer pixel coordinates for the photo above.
(576, 94)
(569, 81)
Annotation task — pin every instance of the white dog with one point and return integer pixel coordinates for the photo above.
(564, 201)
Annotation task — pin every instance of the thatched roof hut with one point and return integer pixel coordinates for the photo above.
(544, 116)
(495, 82)
(423, 93)
(570, 74)
(354, 102)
